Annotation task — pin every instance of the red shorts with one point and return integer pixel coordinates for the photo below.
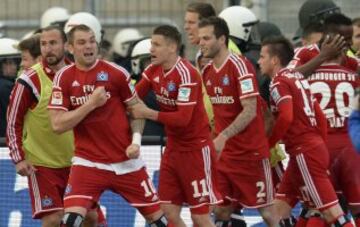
(345, 168)
(189, 177)
(247, 182)
(46, 189)
(307, 177)
(86, 184)
(277, 176)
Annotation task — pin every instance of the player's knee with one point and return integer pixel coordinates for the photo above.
(173, 216)
(223, 213)
(201, 220)
(269, 218)
(270, 215)
(52, 219)
(72, 219)
(91, 218)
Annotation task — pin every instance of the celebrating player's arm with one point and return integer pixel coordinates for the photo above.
(184, 112)
(137, 128)
(62, 119)
(329, 47)
(239, 124)
(186, 92)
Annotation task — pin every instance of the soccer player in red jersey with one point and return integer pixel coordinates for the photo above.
(187, 170)
(91, 97)
(333, 85)
(37, 152)
(337, 37)
(301, 125)
(239, 125)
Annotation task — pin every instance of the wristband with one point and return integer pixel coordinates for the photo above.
(136, 139)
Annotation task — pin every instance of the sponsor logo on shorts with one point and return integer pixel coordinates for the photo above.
(68, 189)
(47, 202)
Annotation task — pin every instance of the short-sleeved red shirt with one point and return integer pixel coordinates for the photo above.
(104, 134)
(226, 86)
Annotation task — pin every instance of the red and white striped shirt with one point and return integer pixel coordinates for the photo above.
(24, 96)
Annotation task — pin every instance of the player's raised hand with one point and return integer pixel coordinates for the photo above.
(98, 97)
(137, 110)
(332, 46)
(24, 168)
(133, 151)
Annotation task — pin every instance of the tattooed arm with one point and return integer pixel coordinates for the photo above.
(137, 128)
(239, 124)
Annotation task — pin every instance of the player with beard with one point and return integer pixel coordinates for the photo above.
(36, 151)
(243, 164)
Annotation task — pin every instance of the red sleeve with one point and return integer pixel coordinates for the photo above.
(283, 121)
(21, 100)
(321, 120)
(188, 94)
(179, 118)
(245, 73)
(351, 63)
(142, 87)
(247, 86)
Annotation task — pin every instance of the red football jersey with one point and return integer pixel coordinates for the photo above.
(104, 134)
(305, 54)
(177, 91)
(226, 86)
(303, 132)
(333, 86)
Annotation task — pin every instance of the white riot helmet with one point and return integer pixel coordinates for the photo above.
(87, 19)
(240, 21)
(9, 54)
(54, 15)
(139, 54)
(123, 40)
(8, 47)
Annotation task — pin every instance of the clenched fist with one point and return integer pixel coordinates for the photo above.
(133, 151)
